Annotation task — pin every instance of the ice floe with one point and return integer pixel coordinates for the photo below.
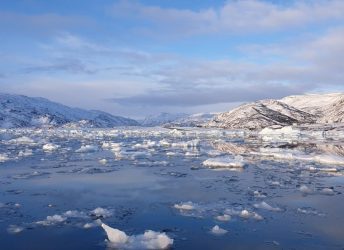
(148, 240)
(87, 149)
(49, 147)
(224, 217)
(218, 230)
(225, 162)
(185, 206)
(52, 220)
(4, 157)
(266, 206)
(14, 229)
(305, 190)
(101, 212)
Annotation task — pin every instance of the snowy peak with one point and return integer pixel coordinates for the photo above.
(315, 104)
(302, 109)
(261, 114)
(23, 111)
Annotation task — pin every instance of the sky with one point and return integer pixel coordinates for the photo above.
(139, 58)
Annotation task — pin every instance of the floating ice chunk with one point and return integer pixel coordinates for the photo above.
(191, 154)
(218, 231)
(101, 212)
(25, 153)
(258, 194)
(95, 223)
(327, 191)
(171, 153)
(87, 149)
(14, 229)
(114, 147)
(3, 157)
(74, 214)
(49, 147)
(52, 220)
(275, 183)
(164, 143)
(309, 211)
(247, 215)
(145, 144)
(22, 140)
(266, 206)
(224, 217)
(141, 155)
(269, 134)
(224, 162)
(114, 235)
(185, 206)
(329, 159)
(306, 190)
(103, 161)
(187, 144)
(148, 240)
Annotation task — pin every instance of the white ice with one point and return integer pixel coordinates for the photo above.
(218, 230)
(50, 147)
(101, 212)
(224, 217)
(225, 162)
(87, 149)
(185, 206)
(148, 240)
(266, 206)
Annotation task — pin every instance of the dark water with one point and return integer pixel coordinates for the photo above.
(140, 190)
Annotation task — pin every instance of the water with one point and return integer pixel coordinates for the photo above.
(150, 172)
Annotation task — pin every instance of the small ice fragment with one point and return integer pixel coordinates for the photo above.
(327, 191)
(101, 212)
(92, 224)
(266, 206)
(224, 217)
(306, 190)
(14, 229)
(3, 157)
(52, 220)
(103, 161)
(185, 206)
(258, 194)
(87, 149)
(246, 215)
(50, 147)
(26, 152)
(218, 231)
(224, 162)
(74, 214)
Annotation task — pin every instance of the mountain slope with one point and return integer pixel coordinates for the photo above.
(316, 104)
(23, 111)
(161, 119)
(261, 114)
(193, 120)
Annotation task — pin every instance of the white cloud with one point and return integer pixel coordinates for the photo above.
(234, 16)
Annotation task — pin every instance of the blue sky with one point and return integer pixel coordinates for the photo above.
(136, 58)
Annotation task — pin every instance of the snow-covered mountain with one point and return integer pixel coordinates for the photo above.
(261, 114)
(193, 120)
(161, 119)
(329, 108)
(23, 111)
(301, 109)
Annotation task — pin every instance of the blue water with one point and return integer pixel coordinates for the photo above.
(141, 193)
